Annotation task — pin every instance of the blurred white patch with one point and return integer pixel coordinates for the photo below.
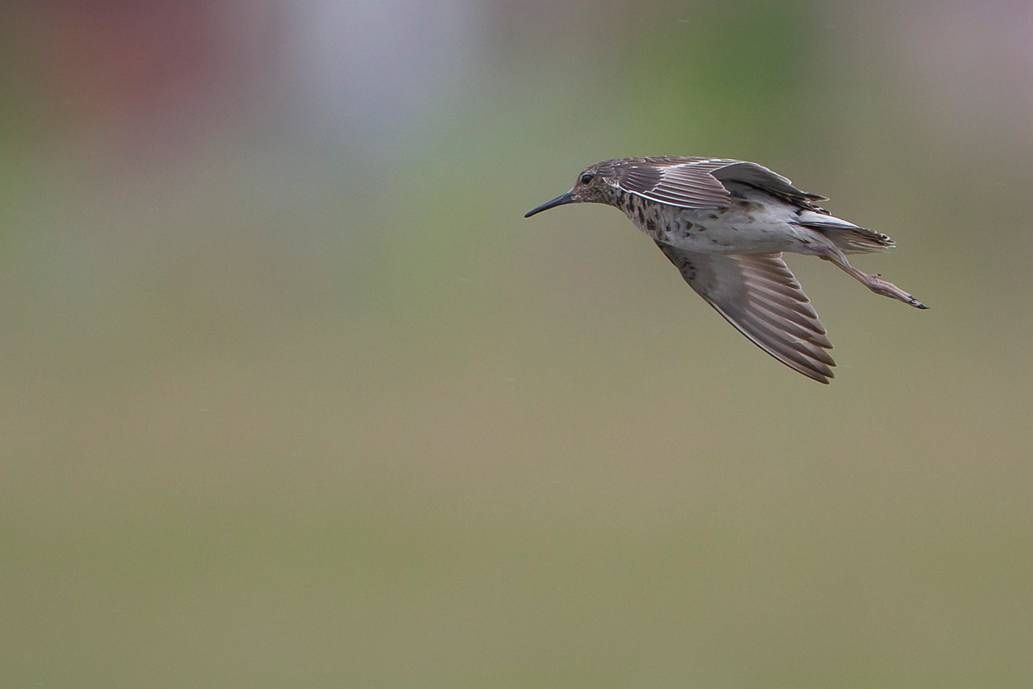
(375, 67)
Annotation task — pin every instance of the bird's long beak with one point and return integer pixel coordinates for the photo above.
(565, 197)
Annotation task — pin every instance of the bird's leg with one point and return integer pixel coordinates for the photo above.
(875, 283)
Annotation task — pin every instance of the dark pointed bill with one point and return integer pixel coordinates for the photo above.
(563, 198)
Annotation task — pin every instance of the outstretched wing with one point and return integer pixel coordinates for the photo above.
(682, 182)
(759, 295)
(767, 180)
(699, 183)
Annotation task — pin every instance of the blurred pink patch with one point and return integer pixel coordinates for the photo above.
(153, 70)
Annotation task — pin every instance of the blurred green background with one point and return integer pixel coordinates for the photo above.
(294, 397)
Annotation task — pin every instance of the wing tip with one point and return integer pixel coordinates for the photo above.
(823, 379)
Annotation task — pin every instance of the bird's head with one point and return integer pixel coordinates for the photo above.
(591, 187)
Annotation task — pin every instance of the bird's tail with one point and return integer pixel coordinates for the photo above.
(850, 238)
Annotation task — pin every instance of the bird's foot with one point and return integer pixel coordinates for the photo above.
(880, 285)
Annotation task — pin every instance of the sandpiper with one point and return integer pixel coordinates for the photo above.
(725, 224)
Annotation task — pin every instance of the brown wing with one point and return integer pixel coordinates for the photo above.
(699, 183)
(760, 297)
(767, 180)
(682, 182)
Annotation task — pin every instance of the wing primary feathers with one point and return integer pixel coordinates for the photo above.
(761, 298)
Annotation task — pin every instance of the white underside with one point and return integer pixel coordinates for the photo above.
(762, 224)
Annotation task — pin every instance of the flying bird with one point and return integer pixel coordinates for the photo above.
(725, 224)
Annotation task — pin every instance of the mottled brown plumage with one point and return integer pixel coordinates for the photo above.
(725, 224)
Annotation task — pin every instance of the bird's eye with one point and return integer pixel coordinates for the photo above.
(587, 178)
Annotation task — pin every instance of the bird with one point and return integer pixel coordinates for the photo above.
(725, 225)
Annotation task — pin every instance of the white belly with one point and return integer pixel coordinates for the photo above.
(747, 227)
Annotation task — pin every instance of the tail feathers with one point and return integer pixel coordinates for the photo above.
(846, 235)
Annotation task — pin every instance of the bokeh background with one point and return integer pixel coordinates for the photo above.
(293, 396)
